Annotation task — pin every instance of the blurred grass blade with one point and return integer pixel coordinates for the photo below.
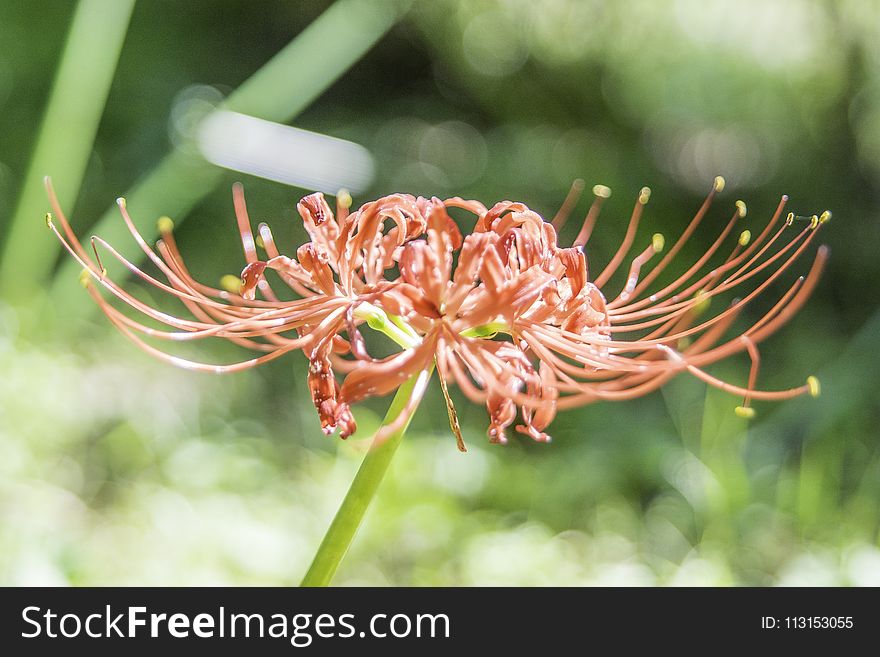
(279, 91)
(64, 140)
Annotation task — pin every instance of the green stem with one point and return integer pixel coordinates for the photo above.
(366, 482)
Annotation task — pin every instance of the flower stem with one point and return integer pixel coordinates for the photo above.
(366, 482)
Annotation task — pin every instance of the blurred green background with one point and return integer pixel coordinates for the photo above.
(115, 469)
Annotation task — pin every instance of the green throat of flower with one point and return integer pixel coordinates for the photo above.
(396, 328)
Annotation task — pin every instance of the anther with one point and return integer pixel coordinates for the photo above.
(718, 183)
(165, 225)
(230, 283)
(658, 242)
(343, 198)
(85, 278)
(825, 217)
(49, 219)
(813, 384)
(745, 237)
(644, 195)
(702, 301)
(602, 191)
(789, 220)
(121, 202)
(746, 412)
(741, 208)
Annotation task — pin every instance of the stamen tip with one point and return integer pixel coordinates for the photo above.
(745, 237)
(343, 197)
(825, 217)
(85, 278)
(121, 202)
(658, 242)
(789, 220)
(230, 283)
(602, 191)
(165, 225)
(746, 412)
(644, 195)
(741, 209)
(258, 240)
(578, 184)
(48, 219)
(702, 301)
(718, 183)
(814, 386)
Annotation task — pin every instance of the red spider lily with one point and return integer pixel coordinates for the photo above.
(515, 320)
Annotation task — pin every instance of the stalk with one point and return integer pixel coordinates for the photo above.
(366, 482)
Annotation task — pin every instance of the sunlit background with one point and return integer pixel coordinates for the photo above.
(116, 469)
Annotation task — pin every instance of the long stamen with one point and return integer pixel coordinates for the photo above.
(612, 266)
(247, 237)
(717, 186)
(755, 357)
(600, 192)
(635, 268)
(571, 199)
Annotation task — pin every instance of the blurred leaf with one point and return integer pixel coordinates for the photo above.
(64, 142)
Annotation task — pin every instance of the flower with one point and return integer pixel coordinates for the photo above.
(504, 312)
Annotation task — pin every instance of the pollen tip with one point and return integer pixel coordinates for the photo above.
(658, 242)
(644, 195)
(718, 183)
(343, 197)
(789, 220)
(814, 386)
(741, 208)
(121, 202)
(746, 412)
(745, 237)
(825, 217)
(165, 225)
(702, 301)
(230, 283)
(602, 191)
